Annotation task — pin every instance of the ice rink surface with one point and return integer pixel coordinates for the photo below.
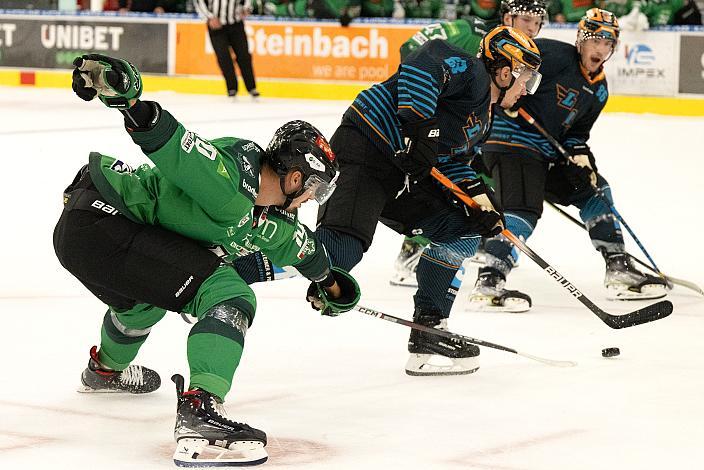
(331, 392)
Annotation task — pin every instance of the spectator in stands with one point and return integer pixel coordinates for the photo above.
(422, 8)
(286, 8)
(149, 6)
(569, 11)
(485, 9)
(377, 8)
(654, 12)
(225, 20)
(343, 10)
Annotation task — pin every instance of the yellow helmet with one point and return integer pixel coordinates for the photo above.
(598, 23)
(504, 46)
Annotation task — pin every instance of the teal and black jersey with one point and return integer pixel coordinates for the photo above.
(438, 80)
(206, 190)
(566, 104)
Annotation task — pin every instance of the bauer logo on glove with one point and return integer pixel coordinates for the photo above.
(116, 82)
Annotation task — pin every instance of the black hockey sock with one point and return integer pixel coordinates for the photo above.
(345, 250)
(437, 284)
(605, 233)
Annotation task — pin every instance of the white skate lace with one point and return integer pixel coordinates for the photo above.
(133, 375)
(219, 409)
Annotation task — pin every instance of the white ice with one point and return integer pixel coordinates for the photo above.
(331, 392)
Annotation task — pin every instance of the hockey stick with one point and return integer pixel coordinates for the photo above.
(669, 279)
(646, 314)
(455, 336)
(600, 194)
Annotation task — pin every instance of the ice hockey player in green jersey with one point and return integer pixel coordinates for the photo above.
(528, 17)
(161, 238)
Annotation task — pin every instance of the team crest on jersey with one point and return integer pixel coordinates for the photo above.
(473, 128)
(456, 64)
(121, 167)
(472, 132)
(566, 97)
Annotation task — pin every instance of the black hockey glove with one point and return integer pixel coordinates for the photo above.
(488, 220)
(349, 293)
(116, 82)
(421, 152)
(581, 167)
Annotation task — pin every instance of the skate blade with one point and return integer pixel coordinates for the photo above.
(403, 281)
(481, 303)
(647, 292)
(87, 389)
(422, 365)
(194, 452)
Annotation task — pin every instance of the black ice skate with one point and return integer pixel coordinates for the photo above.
(134, 379)
(205, 437)
(406, 264)
(489, 294)
(624, 282)
(435, 355)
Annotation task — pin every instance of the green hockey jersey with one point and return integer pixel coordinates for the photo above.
(205, 190)
(466, 34)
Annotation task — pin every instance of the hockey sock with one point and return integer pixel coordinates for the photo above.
(345, 250)
(437, 283)
(605, 233)
(501, 255)
(604, 229)
(215, 347)
(123, 333)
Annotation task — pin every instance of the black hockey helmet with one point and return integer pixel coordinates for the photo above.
(298, 146)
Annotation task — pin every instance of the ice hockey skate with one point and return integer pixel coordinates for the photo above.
(135, 379)
(480, 256)
(206, 437)
(435, 355)
(624, 282)
(489, 295)
(406, 264)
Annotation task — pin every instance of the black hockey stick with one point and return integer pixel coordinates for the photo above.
(600, 194)
(669, 279)
(455, 336)
(647, 314)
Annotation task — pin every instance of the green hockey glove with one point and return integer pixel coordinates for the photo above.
(116, 82)
(349, 294)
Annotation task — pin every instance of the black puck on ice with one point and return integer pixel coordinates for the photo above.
(610, 352)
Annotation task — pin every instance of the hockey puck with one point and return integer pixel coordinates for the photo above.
(610, 352)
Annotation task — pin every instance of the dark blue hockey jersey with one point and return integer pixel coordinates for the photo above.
(438, 80)
(566, 104)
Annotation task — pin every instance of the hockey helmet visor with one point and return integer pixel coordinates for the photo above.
(319, 189)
